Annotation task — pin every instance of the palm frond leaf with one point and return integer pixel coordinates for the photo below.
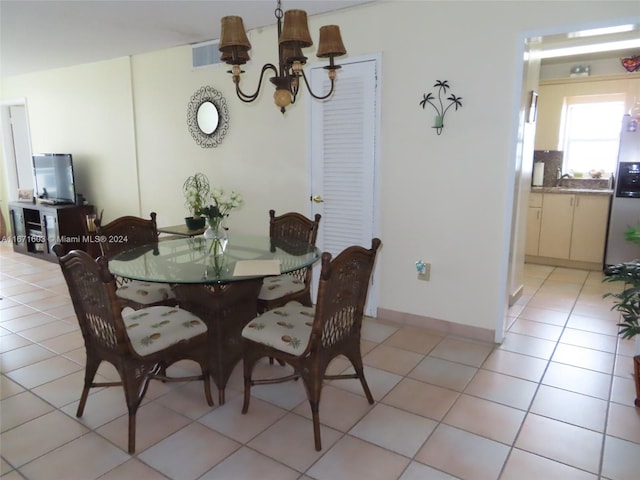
(455, 100)
(426, 98)
(444, 84)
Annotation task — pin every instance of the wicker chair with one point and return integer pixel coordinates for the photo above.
(281, 289)
(123, 234)
(308, 339)
(225, 309)
(140, 344)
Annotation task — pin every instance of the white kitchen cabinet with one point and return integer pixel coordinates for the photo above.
(532, 241)
(574, 227)
(556, 224)
(589, 233)
(534, 217)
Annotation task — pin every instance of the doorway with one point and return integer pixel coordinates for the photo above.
(16, 145)
(524, 145)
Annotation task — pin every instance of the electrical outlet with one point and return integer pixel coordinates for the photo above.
(424, 270)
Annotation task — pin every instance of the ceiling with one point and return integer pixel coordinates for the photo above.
(40, 35)
(566, 40)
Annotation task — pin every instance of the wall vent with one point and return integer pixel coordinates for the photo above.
(205, 54)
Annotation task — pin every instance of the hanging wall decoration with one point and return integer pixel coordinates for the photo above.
(208, 117)
(440, 108)
(631, 64)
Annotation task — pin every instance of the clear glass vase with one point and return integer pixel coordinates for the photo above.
(217, 234)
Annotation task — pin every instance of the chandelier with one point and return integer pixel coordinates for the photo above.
(293, 36)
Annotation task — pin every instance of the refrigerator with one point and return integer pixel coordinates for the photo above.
(625, 204)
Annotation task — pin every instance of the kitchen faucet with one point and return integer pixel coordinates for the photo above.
(561, 177)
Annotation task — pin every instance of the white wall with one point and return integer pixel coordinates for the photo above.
(446, 199)
(263, 155)
(87, 111)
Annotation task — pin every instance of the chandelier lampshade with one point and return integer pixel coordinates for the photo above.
(330, 44)
(290, 53)
(234, 43)
(242, 57)
(295, 30)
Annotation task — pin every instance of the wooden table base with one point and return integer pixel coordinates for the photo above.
(226, 309)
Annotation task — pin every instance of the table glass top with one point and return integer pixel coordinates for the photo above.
(189, 259)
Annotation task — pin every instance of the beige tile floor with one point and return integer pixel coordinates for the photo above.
(554, 401)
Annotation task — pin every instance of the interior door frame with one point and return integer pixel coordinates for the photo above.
(374, 291)
(9, 169)
(9, 154)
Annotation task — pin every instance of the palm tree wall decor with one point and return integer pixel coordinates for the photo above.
(440, 108)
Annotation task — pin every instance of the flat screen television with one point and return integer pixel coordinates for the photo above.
(54, 177)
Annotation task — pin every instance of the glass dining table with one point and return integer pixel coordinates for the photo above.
(220, 289)
(191, 260)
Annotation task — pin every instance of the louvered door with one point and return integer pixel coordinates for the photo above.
(343, 159)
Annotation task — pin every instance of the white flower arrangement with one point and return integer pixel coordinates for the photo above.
(222, 204)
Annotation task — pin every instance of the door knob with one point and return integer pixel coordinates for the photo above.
(318, 199)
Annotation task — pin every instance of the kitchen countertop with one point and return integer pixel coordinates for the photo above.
(571, 190)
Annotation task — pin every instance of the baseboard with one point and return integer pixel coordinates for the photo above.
(559, 262)
(444, 326)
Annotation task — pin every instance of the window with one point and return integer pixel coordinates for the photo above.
(590, 132)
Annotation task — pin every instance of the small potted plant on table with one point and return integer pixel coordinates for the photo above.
(627, 302)
(196, 190)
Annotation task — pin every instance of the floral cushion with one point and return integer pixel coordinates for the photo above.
(152, 329)
(279, 286)
(145, 292)
(286, 329)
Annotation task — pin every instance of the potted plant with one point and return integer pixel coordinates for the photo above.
(627, 302)
(196, 190)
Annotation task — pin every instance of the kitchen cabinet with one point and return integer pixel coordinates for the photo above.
(589, 233)
(38, 227)
(555, 225)
(534, 217)
(573, 227)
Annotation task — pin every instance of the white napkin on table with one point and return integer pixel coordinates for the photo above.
(246, 268)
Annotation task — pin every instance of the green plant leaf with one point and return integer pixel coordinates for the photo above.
(632, 234)
(627, 302)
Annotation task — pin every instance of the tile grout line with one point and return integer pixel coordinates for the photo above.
(539, 383)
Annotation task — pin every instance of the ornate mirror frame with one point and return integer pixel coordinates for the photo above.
(210, 133)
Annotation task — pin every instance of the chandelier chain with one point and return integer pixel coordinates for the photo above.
(278, 11)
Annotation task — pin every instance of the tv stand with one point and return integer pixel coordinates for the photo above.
(37, 227)
(47, 201)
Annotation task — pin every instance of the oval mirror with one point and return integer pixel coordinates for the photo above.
(207, 118)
